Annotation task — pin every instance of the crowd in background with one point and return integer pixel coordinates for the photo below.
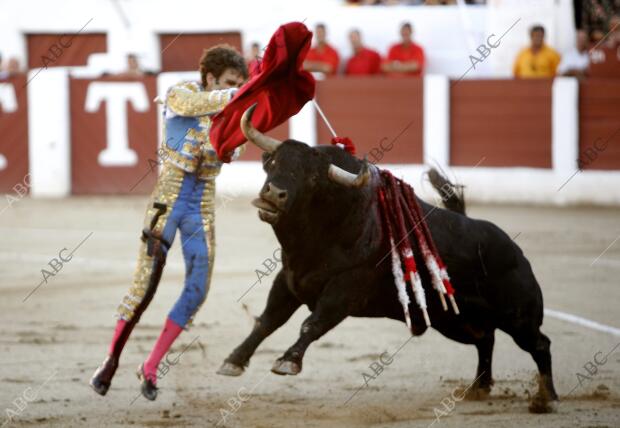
(541, 60)
(11, 67)
(407, 58)
(597, 23)
(411, 2)
(594, 17)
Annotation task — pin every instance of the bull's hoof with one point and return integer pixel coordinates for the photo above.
(542, 404)
(230, 369)
(477, 393)
(284, 367)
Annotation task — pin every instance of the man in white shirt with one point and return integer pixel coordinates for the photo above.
(576, 61)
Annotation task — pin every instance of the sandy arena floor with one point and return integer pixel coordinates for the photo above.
(51, 342)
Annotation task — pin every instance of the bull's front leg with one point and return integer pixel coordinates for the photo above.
(281, 305)
(332, 307)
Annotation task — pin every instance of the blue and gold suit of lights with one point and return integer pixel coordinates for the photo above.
(186, 185)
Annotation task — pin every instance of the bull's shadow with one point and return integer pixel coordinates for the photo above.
(323, 206)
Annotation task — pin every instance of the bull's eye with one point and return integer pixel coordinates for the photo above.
(268, 162)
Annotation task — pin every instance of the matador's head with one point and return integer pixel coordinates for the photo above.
(222, 67)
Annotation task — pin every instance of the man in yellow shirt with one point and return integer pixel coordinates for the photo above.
(537, 60)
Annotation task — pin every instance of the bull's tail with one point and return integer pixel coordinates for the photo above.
(451, 194)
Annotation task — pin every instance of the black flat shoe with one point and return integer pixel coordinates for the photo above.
(102, 379)
(148, 388)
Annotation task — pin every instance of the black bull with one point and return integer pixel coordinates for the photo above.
(336, 261)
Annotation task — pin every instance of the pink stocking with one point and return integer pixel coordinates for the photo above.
(167, 337)
(121, 325)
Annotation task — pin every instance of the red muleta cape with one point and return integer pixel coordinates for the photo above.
(281, 89)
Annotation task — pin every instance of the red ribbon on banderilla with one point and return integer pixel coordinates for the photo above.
(345, 142)
(397, 201)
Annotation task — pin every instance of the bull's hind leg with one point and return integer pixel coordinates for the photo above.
(523, 325)
(538, 345)
(481, 387)
(281, 305)
(484, 340)
(542, 356)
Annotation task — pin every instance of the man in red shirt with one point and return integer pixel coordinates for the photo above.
(254, 60)
(405, 58)
(364, 61)
(322, 57)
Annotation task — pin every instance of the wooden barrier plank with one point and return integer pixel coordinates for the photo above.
(372, 111)
(507, 123)
(599, 124)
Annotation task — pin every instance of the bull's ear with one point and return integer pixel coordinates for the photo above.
(265, 157)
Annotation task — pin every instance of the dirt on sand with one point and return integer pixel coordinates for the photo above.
(52, 342)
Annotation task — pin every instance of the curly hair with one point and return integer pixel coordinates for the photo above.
(217, 59)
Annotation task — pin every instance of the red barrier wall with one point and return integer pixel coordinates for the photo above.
(599, 124)
(89, 139)
(14, 132)
(182, 52)
(371, 111)
(506, 122)
(63, 49)
(502, 122)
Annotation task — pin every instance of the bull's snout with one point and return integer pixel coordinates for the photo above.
(275, 195)
(271, 203)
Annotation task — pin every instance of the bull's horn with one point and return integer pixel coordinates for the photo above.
(340, 176)
(264, 142)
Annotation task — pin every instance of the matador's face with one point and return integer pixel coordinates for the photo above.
(230, 78)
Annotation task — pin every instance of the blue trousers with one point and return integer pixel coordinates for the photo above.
(189, 204)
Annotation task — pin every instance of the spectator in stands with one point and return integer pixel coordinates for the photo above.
(364, 60)
(254, 60)
(439, 2)
(322, 57)
(133, 67)
(405, 58)
(595, 17)
(576, 61)
(538, 60)
(613, 38)
(11, 68)
(411, 2)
